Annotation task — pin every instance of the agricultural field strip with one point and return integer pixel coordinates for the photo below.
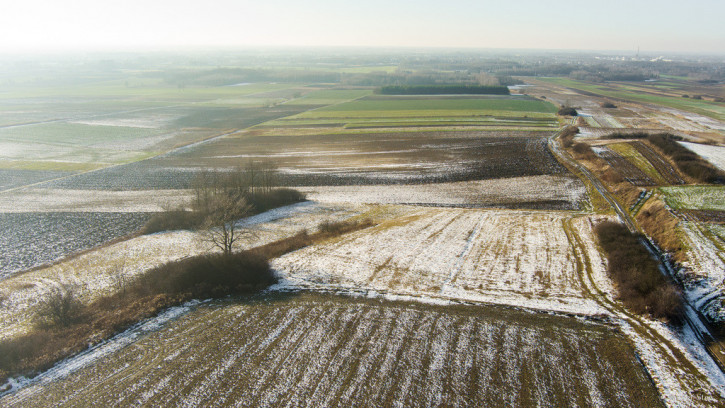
(627, 151)
(695, 197)
(675, 359)
(710, 109)
(664, 167)
(96, 272)
(326, 350)
(628, 170)
(108, 138)
(465, 193)
(25, 200)
(511, 257)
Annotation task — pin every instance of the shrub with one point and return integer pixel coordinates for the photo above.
(567, 136)
(212, 275)
(608, 105)
(642, 287)
(275, 198)
(60, 307)
(583, 149)
(339, 227)
(567, 111)
(172, 220)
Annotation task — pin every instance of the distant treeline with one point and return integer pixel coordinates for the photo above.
(442, 90)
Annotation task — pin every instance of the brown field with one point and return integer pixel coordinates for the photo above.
(326, 350)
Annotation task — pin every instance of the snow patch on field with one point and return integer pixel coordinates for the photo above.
(62, 200)
(468, 193)
(508, 257)
(713, 154)
(705, 280)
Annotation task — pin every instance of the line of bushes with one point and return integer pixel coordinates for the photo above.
(76, 326)
(567, 136)
(443, 90)
(642, 287)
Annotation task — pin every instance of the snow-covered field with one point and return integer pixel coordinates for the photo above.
(66, 200)
(705, 281)
(512, 257)
(325, 350)
(713, 154)
(530, 189)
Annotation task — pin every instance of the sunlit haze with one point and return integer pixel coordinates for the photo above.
(47, 25)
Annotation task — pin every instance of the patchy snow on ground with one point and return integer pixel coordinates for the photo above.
(705, 279)
(713, 154)
(62, 200)
(100, 271)
(466, 193)
(312, 350)
(511, 257)
(68, 366)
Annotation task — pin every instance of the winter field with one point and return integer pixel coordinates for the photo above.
(326, 350)
(514, 257)
(479, 283)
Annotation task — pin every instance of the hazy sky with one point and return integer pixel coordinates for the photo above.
(662, 25)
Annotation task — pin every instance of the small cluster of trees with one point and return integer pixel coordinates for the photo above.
(567, 111)
(221, 198)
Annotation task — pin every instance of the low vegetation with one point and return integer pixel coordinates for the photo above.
(67, 327)
(642, 287)
(567, 136)
(567, 111)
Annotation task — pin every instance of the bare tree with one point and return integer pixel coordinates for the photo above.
(268, 179)
(117, 273)
(220, 227)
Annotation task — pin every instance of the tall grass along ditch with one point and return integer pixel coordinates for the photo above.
(642, 287)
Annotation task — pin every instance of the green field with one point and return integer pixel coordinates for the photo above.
(492, 113)
(330, 96)
(695, 197)
(613, 90)
(392, 103)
